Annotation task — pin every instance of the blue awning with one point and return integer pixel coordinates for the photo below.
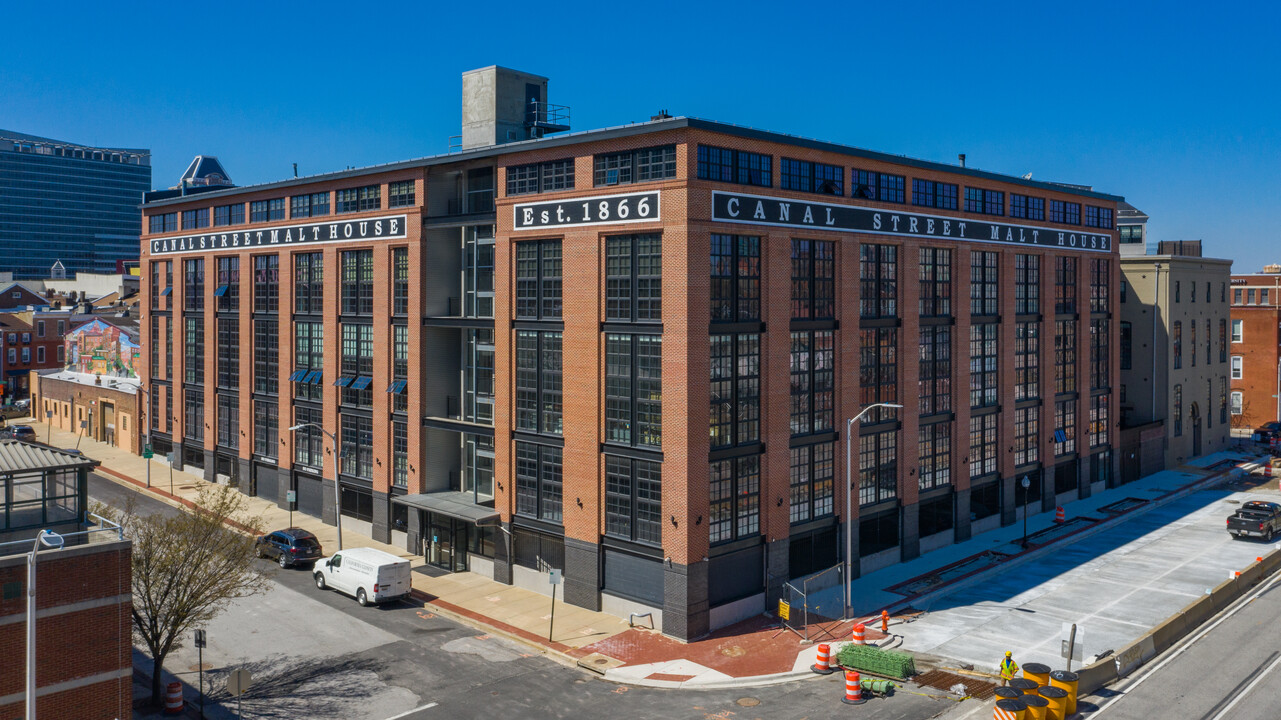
(315, 377)
(222, 290)
(397, 387)
(343, 381)
(297, 375)
(166, 291)
(361, 383)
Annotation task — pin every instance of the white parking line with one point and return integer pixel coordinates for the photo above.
(407, 713)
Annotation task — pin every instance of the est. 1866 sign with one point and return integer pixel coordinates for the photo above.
(594, 210)
(376, 228)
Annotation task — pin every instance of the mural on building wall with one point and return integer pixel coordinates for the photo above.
(100, 348)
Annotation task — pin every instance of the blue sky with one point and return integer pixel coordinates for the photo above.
(1172, 105)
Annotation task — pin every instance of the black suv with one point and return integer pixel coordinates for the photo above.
(24, 433)
(294, 546)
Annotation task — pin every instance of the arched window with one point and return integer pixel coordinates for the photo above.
(1178, 409)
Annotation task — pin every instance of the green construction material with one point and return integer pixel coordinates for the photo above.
(876, 661)
(880, 687)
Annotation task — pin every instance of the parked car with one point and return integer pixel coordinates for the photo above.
(24, 433)
(369, 575)
(1256, 519)
(1267, 432)
(293, 546)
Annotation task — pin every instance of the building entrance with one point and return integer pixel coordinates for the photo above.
(446, 542)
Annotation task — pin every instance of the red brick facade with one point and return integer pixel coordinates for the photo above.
(1258, 318)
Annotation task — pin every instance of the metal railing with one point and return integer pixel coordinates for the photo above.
(81, 537)
(799, 596)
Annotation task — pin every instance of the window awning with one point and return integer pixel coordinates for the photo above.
(343, 381)
(362, 382)
(315, 377)
(166, 291)
(222, 290)
(454, 504)
(397, 387)
(297, 375)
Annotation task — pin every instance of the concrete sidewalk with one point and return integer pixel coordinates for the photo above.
(758, 651)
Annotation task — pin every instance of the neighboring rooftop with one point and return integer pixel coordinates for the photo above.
(204, 171)
(12, 141)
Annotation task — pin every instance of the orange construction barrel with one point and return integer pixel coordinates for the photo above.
(1057, 697)
(1037, 673)
(173, 699)
(1068, 681)
(1008, 693)
(1028, 687)
(1037, 706)
(1010, 710)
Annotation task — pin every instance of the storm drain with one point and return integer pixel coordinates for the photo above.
(925, 583)
(946, 681)
(1059, 530)
(1123, 505)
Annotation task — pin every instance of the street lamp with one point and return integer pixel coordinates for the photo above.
(147, 429)
(849, 491)
(49, 539)
(1026, 483)
(337, 495)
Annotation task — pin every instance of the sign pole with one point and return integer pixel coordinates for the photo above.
(552, 623)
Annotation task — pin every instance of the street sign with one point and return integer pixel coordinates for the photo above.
(200, 638)
(147, 452)
(172, 458)
(239, 681)
(554, 577)
(291, 496)
(784, 610)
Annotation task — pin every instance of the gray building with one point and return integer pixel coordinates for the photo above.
(68, 202)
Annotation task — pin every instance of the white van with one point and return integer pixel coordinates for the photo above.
(372, 576)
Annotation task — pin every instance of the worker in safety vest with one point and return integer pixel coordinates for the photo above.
(1008, 669)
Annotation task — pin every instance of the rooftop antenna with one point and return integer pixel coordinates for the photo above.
(295, 169)
(961, 157)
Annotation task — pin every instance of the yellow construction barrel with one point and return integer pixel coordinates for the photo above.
(1067, 680)
(1008, 693)
(1027, 686)
(1037, 706)
(1057, 697)
(1010, 710)
(1037, 673)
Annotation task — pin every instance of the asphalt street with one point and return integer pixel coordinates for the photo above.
(317, 654)
(1228, 669)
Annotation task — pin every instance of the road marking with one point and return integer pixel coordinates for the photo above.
(1241, 695)
(407, 713)
(1189, 642)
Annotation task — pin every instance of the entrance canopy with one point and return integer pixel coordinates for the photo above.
(454, 504)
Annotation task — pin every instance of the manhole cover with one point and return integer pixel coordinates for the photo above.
(601, 661)
(748, 702)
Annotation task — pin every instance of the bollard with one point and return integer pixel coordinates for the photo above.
(1037, 673)
(1037, 706)
(1059, 514)
(857, 636)
(823, 663)
(173, 699)
(1057, 697)
(885, 621)
(853, 689)
(1068, 681)
(1009, 710)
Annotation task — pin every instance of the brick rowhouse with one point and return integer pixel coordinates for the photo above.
(636, 349)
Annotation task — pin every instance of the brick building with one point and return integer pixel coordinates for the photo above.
(725, 299)
(1256, 347)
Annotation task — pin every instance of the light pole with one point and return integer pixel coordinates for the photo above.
(337, 496)
(146, 443)
(1027, 484)
(49, 539)
(849, 491)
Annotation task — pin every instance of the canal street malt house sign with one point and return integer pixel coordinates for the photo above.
(391, 227)
(784, 212)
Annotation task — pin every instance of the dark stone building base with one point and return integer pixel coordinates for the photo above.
(685, 610)
(582, 573)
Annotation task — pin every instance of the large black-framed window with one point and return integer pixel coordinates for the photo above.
(633, 166)
(877, 467)
(356, 444)
(1100, 275)
(1099, 217)
(813, 469)
(878, 281)
(984, 286)
(1026, 435)
(634, 389)
(984, 202)
(934, 444)
(308, 440)
(983, 364)
(400, 281)
(399, 453)
(266, 428)
(539, 481)
(266, 283)
(358, 282)
(1127, 345)
(878, 372)
(309, 360)
(309, 283)
(350, 200)
(227, 293)
(634, 500)
(736, 278)
(935, 380)
(546, 176)
(538, 279)
(228, 353)
(1064, 356)
(194, 350)
(310, 205)
(878, 532)
(1027, 284)
(1058, 211)
(1100, 359)
(228, 421)
(357, 365)
(1065, 427)
(811, 177)
(813, 279)
(936, 282)
(193, 288)
(400, 193)
(734, 493)
(400, 368)
(982, 445)
(813, 370)
(229, 214)
(1027, 207)
(735, 166)
(927, 193)
(195, 219)
(194, 413)
(735, 397)
(538, 381)
(883, 187)
(1064, 285)
(266, 355)
(634, 278)
(1099, 405)
(1027, 360)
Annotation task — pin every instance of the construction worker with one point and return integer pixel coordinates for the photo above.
(1008, 668)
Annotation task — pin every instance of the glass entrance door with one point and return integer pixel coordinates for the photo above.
(447, 543)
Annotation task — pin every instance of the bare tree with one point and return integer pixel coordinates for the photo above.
(186, 566)
(1241, 420)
